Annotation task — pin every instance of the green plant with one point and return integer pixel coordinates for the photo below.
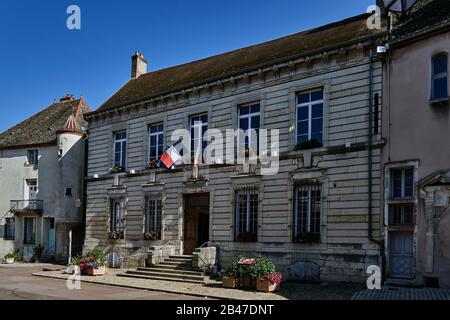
(234, 269)
(12, 255)
(37, 253)
(263, 267)
(76, 260)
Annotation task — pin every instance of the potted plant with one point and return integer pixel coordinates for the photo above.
(152, 235)
(246, 280)
(37, 253)
(230, 278)
(116, 169)
(94, 263)
(11, 257)
(153, 164)
(269, 283)
(115, 235)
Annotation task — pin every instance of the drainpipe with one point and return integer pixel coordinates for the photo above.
(370, 161)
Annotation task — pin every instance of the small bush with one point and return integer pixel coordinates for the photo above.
(263, 267)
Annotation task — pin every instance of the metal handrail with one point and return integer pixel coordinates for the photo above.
(27, 205)
(9, 211)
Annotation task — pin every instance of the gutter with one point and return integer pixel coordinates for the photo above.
(370, 162)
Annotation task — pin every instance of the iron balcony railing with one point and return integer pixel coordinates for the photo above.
(27, 205)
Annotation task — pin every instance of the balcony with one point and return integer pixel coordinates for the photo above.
(27, 206)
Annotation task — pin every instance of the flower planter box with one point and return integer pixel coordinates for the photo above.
(247, 282)
(94, 272)
(9, 260)
(266, 286)
(230, 282)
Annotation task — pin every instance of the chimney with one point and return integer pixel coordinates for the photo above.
(138, 65)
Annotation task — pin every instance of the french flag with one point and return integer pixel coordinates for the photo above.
(170, 156)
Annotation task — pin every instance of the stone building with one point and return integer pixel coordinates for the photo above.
(416, 126)
(319, 212)
(41, 190)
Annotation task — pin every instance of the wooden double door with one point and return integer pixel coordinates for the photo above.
(196, 221)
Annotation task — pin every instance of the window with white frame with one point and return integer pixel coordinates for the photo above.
(120, 149)
(307, 211)
(439, 86)
(10, 229)
(401, 203)
(153, 215)
(198, 128)
(117, 221)
(155, 141)
(29, 230)
(309, 119)
(32, 157)
(246, 211)
(249, 122)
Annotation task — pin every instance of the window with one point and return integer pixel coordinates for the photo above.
(249, 119)
(118, 217)
(401, 204)
(402, 183)
(307, 209)
(156, 141)
(153, 218)
(199, 125)
(68, 192)
(439, 77)
(29, 231)
(32, 156)
(120, 149)
(246, 215)
(10, 229)
(310, 119)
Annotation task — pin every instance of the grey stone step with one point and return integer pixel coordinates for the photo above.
(173, 271)
(167, 275)
(176, 263)
(155, 277)
(170, 267)
(182, 258)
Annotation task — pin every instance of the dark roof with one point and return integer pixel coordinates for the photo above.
(426, 15)
(165, 81)
(41, 128)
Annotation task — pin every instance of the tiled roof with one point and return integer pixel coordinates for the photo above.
(425, 15)
(157, 83)
(41, 128)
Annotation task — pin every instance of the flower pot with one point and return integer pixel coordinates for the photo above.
(266, 286)
(94, 272)
(9, 260)
(230, 282)
(247, 282)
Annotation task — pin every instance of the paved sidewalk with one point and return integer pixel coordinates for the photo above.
(213, 290)
(396, 293)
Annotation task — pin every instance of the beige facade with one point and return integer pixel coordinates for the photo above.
(340, 167)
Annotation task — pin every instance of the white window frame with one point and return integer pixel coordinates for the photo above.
(34, 231)
(248, 116)
(157, 134)
(310, 119)
(33, 154)
(123, 150)
(403, 184)
(198, 126)
(248, 192)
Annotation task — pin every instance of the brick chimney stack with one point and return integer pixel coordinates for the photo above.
(138, 65)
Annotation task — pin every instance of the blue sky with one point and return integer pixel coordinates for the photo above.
(41, 60)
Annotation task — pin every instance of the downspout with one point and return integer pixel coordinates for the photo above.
(84, 201)
(370, 153)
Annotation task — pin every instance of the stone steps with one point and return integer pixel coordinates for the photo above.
(174, 268)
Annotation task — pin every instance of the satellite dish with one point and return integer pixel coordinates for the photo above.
(399, 6)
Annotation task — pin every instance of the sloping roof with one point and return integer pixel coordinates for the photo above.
(165, 81)
(438, 178)
(425, 15)
(41, 128)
